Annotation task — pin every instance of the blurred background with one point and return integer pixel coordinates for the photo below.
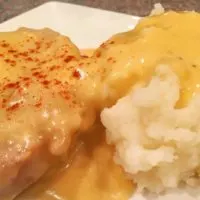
(11, 8)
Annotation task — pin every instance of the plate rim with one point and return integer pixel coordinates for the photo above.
(70, 4)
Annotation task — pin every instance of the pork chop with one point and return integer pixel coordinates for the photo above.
(46, 96)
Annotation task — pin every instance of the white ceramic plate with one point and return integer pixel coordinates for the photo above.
(87, 27)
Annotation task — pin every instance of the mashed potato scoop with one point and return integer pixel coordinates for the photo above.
(155, 127)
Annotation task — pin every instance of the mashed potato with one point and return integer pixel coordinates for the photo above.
(185, 193)
(157, 144)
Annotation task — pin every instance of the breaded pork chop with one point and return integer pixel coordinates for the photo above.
(45, 97)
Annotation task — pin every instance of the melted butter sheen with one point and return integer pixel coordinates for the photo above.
(171, 38)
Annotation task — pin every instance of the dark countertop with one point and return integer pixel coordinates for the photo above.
(11, 8)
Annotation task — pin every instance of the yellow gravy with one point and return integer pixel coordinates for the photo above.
(171, 39)
(92, 175)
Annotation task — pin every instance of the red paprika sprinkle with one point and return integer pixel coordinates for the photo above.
(13, 107)
(42, 76)
(5, 45)
(98, 54)
(55, 67)
(12, 51)
(25, 54)
(57, 82)
(45, 82)
(35, 68)
(11, 85)
(26, 78)
(109, 59)
(65, 94)
(36, 73)
(69, 58)
(15, 55)
(38, 105)
(76, 74)
(29, 59)
(38, 45)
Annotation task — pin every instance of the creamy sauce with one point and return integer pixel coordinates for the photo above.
(171, 38)
(92, 175)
